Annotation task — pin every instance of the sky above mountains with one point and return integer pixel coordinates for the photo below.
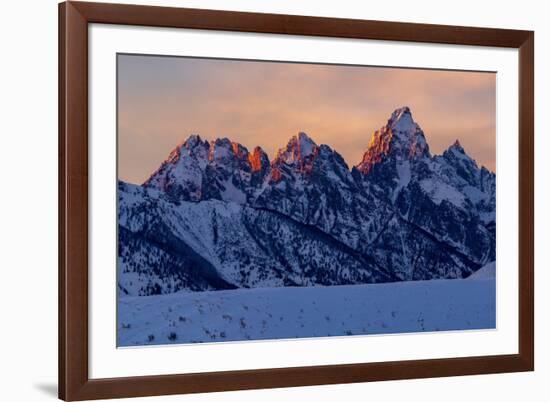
(162, 100)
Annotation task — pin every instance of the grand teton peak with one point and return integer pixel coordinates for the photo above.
(401, 138)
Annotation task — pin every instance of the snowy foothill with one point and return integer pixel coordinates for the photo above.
(486, 272)
(305, 312)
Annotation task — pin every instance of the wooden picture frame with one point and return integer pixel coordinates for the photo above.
(74, 381)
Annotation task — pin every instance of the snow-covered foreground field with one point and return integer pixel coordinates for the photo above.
(278, 313)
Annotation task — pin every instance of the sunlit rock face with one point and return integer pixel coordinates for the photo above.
(198, 170)
(448, 196)
(216, 216)
(400, 139)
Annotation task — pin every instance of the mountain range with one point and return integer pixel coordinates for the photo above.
(216, 216)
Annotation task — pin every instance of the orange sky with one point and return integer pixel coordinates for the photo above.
(162, 100)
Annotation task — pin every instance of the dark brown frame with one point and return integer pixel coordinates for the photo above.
(74, 383)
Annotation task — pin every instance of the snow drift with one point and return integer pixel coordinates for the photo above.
(291, 312)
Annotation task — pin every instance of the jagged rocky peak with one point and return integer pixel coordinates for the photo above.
(192, 141)
(192, 146)
(298, 155)
(195, 144)
(198, 170)
(306, 145)
(464, 166)
(180, 175)
(258, 159)
(401, 119)
(189, 152)
(299, 149)
(222, 151)
(457, 148)
(457, 145)
(457, 154)
(401, 138)
(218, 152)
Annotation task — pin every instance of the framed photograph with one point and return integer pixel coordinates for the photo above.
(259, 200)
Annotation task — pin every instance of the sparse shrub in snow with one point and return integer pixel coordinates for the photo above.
(369, 309)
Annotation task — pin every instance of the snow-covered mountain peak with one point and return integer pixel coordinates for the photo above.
(457, 147)
(223, 150)
(401, 138)
(181, 173)
(193, 146)
(198, 170)
(401, 119)
(192, 141)
(305, 144)
(456, 154)
(404, 135)
(299, 150)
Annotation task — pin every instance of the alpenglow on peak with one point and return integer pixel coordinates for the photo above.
(401, 138)
(299, 148)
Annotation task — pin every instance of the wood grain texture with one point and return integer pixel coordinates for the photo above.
(526, 201)
(74, 382)
(73, 201)
(298, 25)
